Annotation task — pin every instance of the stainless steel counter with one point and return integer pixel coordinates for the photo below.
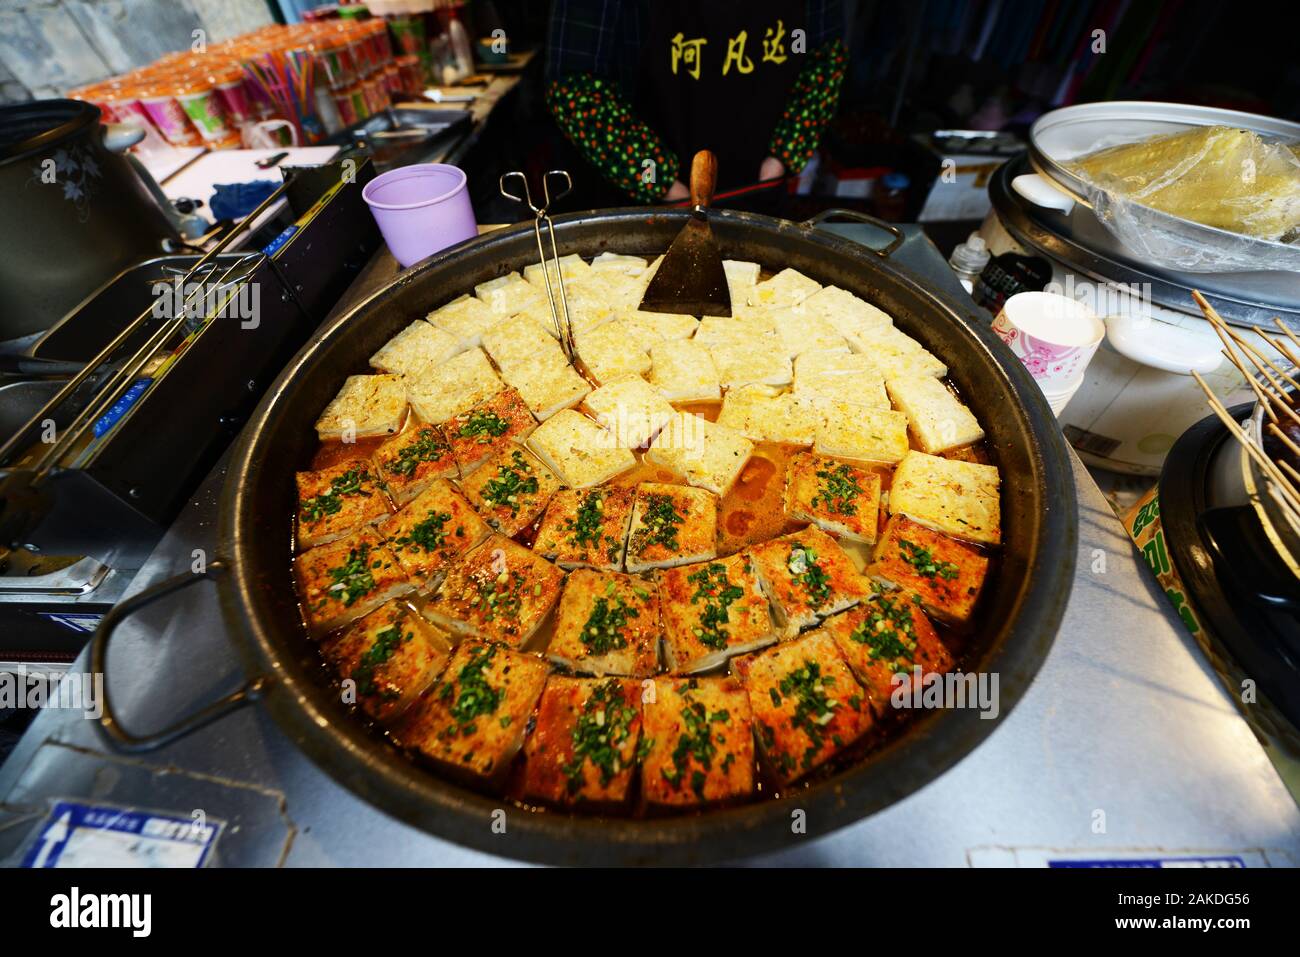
(1126, 741)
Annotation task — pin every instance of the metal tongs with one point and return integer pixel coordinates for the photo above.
(559, 314)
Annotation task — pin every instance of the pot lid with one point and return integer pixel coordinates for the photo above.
(1084, 246)
(1059, 136)
(34, 127)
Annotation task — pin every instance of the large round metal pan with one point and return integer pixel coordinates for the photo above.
(1022, 611)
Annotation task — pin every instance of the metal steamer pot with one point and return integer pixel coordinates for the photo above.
(1022, 609)
(74, 211)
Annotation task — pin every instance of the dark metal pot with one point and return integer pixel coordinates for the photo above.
(73, 213)
(1023, 609)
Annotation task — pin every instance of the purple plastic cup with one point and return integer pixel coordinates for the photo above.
(421, 209)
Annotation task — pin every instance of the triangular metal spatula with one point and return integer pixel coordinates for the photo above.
(691, 281)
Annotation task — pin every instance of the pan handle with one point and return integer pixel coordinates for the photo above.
(857, 217)
(109, 725)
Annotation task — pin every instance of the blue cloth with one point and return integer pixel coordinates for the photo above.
(235, 200)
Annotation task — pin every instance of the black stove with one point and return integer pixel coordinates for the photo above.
(1246, 599)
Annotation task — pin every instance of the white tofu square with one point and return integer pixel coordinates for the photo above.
(758, 361)
(683, 370)
(938, 420)
(631, 410)
(578, 450)
(741, 278)
(845, 378)
(789, 287)
(367, 405)
(518, 341)
(572, 266)
(610, 352)
(801, 331)
(459, 383)
(415, 350)
(786, 418)
(897, 354)
(509, 294)
(957, 498)
(618, 263)
(705, 454)
(717, 330)
(849, 315)
(650, 328)
(860, 433)
(464, 319)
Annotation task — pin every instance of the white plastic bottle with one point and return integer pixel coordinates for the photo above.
(969, 259)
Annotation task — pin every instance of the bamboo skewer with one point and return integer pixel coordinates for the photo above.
(1268, 398)
(1286, 488)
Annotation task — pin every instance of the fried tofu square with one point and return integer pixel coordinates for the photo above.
(460, 383)
(485, 430)
(464, 319)
(497, 591)
(579, 451)
(860, 433)
(705, 454)
(835, 376)
(586, 528)
(807, 576)
(416, 350)
(511, 490)
(789, 287)
(700, 742)
(549, 385)
(887, 635)
(630, 410)
(473, 721)
(807, 705)
(946, 573)
(583, 749)
(785, 418)
(509, 295)
(837, 497)
(711, 612)
(607, 624)
(758, 361)
(937, 419)
(334, 501)
(366, 406)
(961, 499)
(344, 580)
(413, 459)
(432, 532)
(391, 657)
(671, 525)
(683, 370)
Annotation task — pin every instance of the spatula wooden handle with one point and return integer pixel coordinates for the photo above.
(704, 178)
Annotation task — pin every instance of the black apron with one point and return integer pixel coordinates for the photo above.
(685, 95)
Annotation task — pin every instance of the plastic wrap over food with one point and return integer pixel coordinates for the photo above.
(1158, 196)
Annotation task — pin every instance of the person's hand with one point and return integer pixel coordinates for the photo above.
(677, 191)
(771, 168)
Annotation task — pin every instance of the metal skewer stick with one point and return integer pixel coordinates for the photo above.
(560, 312)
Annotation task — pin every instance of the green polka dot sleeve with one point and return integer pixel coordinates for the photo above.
(810, 107)
(594, 115)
